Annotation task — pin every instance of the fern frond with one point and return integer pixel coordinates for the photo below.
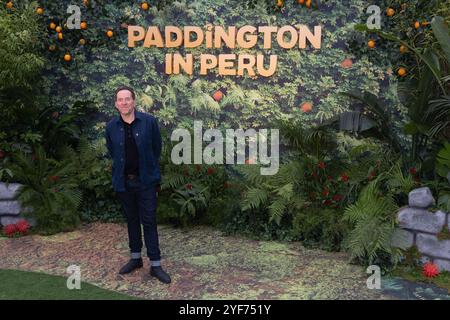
(254, 198)
(291, 172)
(277, 209)
(252, 174)
(209, 103)
(398, 181)
(235, 96)
(71, 197)
(286, 192)
(178, 81)
(173, 180)
(374, 220)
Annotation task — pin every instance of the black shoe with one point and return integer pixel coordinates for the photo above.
(131, 265)
(159, 273)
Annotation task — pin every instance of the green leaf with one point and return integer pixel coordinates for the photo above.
(276, 210)
(442, 34)
(444, 201)
(443, 161)
(410, 128)
(146, 100)
(254, 198)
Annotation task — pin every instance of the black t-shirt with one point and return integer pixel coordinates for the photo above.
(131, 151)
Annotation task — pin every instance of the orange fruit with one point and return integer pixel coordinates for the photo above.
(39, 10)
(347, 63)
(218, 95)
(83, 25)
(308, 3)
(371, 43)
(52, 47)
(67, 57)
(301, 1)
(82, 42)
(417, 25)
(403, 49)
(279, 3)
(58, 29)
(306, 107)
(145, 6)
(401, 72)
(9, 5)
(60, 36)
(52, 25)
(390, 12)
(109, 33)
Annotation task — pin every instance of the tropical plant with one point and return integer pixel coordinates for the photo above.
(443, 161)
(443, 170)
(278, 194)
(373, 220)
(21, 61)
(64, 127)
(320, 227)
(376, 112)
(49, 189)
(318, 173)
(400, 182)
(432, 56)
(191, 200)
(438, 114)
(316, 142)
(21, 65)
(93, 176)
(191, 189)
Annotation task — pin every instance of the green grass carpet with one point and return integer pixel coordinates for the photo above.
(21, 285)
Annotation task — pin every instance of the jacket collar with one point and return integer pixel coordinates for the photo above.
(137, 115)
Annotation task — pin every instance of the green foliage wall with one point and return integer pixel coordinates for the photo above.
(318, 76)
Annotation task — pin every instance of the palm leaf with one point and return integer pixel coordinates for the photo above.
(442, 34)
(438, 114)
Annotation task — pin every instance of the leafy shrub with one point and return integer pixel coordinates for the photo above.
(254, 224)
(94, 179)
(189, 190)
(21, 65)
(442, 183)
(277, 194)
(107, 210)
(320, 228)
(166, 211)
(372, 218)
(49, 188)
(221, 209)
(192, 200)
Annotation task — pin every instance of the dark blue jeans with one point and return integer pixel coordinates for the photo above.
(139, 207)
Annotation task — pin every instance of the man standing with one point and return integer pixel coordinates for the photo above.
(134, 144)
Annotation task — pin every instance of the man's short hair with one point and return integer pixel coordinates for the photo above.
(124, 88)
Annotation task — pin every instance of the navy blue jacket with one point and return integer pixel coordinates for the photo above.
(148, 140)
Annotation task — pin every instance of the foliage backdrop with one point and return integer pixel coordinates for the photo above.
(316, 76)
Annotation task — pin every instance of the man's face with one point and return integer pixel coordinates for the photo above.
(125, 102)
